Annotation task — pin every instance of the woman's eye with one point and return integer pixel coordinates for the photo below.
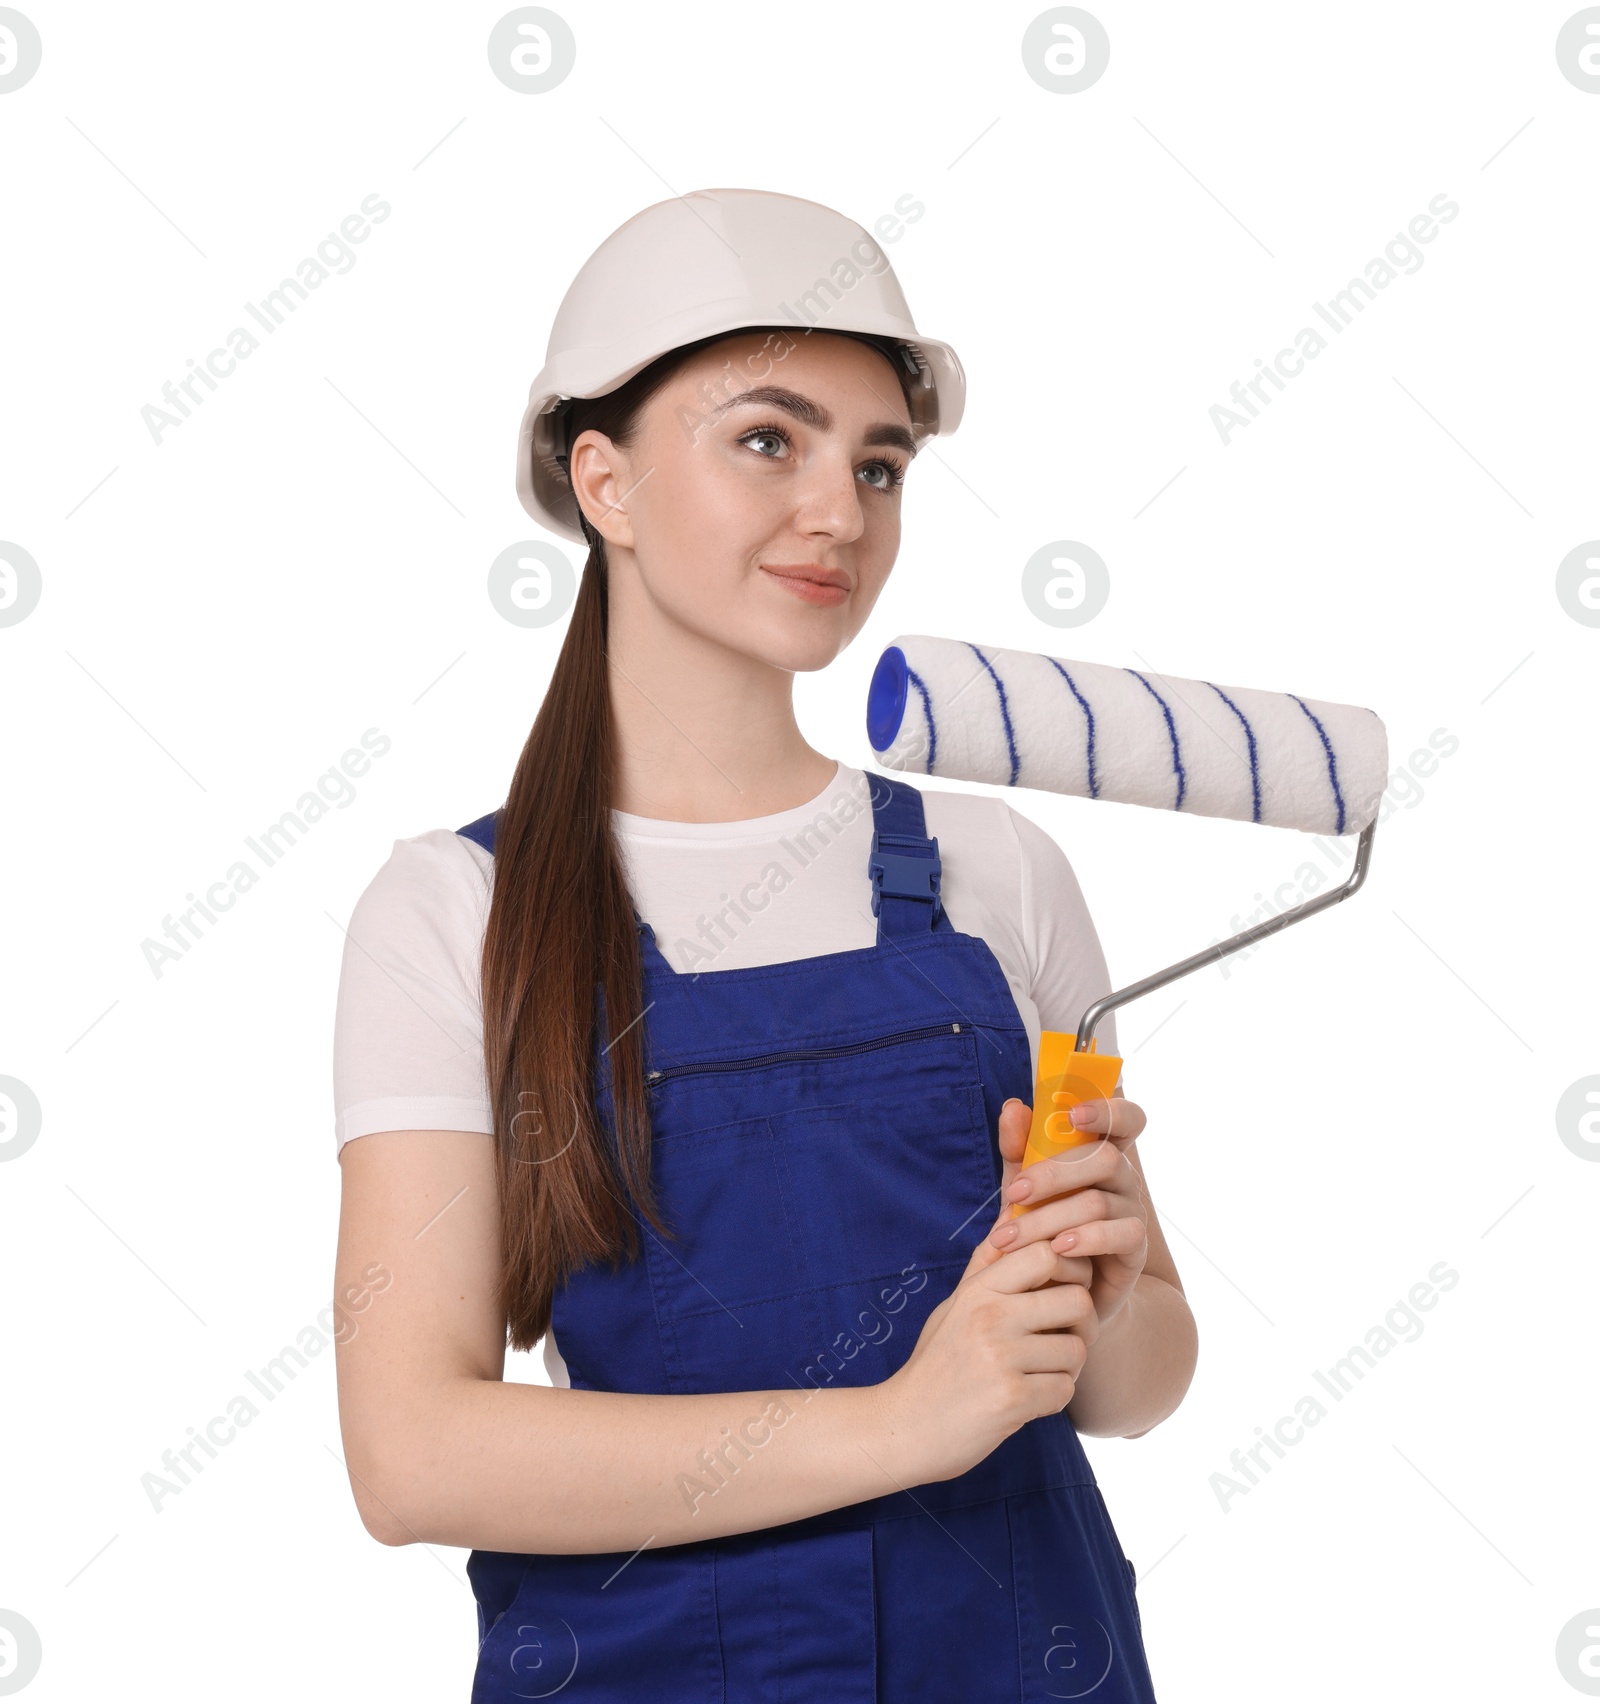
(754, 438)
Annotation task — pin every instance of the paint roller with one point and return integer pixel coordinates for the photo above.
(966, 712)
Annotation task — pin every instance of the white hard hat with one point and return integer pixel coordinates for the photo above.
(714, 261)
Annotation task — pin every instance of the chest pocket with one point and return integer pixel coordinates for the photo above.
(817, 1231)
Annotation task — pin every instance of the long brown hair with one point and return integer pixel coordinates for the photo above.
(560, 932)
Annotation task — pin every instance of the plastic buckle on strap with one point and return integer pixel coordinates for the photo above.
(901, 867)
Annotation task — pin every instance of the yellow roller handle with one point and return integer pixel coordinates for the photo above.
(1066, 1079)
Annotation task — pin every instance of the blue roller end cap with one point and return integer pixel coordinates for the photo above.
(886, 698)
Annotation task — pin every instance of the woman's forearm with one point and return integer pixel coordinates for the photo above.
(1140, 1366)
(516, 1467)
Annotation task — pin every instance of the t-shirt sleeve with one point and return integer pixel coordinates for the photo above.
(1065, 959)
(408, 1025)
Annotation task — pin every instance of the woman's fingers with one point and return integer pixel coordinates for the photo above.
(1026, 1268)
(1117, 1121)
(1045, 1299)
(1058, 1307)
(1052, 1352)
(1118, 1117)
(1102, 1236)
(1057, 1268)
(1074, 1268)
(1016, 1119)
(1055, 1214)
(1082, 1167)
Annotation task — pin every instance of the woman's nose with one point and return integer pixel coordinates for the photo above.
(829, 499)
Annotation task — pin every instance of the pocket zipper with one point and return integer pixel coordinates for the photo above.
(654, 1077)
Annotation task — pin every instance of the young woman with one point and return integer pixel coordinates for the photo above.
(706, 1059)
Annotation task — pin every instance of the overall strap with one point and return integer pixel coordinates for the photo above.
(904, 865)
(482, 831)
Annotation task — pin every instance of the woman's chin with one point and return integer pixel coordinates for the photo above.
(811, 643)
(800, 640)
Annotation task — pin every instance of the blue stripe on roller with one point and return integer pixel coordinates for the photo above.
(1249, 734)
(1005, 709)
(1094, 784)
(1333, 765)
(927, 714)
(1172, 732)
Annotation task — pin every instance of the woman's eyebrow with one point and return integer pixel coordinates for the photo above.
(810, 413)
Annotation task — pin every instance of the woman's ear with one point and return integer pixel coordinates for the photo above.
(599, 472)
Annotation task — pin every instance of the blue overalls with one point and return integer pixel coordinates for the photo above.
(824, 1148)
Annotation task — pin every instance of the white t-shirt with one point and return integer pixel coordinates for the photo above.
(408, 1030)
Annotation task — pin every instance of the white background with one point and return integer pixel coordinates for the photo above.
(305, 558)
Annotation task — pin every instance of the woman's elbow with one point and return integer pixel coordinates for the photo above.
(379, 1481)
(377, 1513)
(383, 1525)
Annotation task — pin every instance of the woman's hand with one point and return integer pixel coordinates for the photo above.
(1088, 1198)
(1010, 1341)
(1004, 1347)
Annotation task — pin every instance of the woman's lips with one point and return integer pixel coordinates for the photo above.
(820, 586)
